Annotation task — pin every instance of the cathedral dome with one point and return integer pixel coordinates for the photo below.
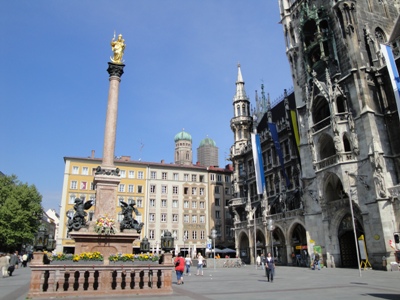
(208, 142)
(183, 136)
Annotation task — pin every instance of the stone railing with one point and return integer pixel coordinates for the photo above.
(90, 280)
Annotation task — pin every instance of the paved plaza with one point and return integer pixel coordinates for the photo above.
(248, 283)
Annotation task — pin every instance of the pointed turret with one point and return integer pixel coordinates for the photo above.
(241, 123)
(240, 91)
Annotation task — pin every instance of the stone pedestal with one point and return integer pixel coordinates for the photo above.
(105, 244)
(106, 195)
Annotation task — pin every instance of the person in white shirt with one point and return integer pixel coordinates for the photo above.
(200, 260)
(188, 263)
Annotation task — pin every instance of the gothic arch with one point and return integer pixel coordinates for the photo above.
(341, 223)
(341, 105)
(320, 112)
(261, 241)
(279, 245)
(333, 187)
(380, 35)
(244, 245)
(309, 32)
(326, 147)
(347, 143)
(297, 234)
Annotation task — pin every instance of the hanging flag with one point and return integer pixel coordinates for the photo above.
(295, 129)
(393, 73)
(275, 138)
(258, 163)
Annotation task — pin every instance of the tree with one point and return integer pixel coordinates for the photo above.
(20, 211)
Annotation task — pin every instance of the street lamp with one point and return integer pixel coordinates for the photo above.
(271, 227)
(353, 223)
(213, 236)
(145, 245)
(167, 241)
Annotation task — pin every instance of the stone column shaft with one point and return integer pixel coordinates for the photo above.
(111, 122)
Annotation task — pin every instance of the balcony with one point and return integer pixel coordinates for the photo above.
(334, 160)
(238, 201)
(322, 124)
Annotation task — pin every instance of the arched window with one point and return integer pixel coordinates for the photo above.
(380, 36)
(326, 147)
(341, 104)
(321, 113)
(309, 31)
(333, 188)
(346, 143)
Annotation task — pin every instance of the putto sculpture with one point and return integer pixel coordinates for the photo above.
(128, 222)
(78, 220)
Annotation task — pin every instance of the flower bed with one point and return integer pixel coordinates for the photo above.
(83, 257)
(105, 225)
(149, 257)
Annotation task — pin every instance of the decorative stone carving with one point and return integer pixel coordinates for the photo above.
(78, 220)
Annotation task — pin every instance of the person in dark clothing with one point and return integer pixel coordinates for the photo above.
(270, 267)
(13, 261)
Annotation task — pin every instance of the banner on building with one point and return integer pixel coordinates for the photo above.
(275, 138)
(258, 163)
(393, 73)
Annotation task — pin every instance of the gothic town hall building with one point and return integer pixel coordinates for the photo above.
(332, 179)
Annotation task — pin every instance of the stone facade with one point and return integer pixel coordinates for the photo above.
(348, 124)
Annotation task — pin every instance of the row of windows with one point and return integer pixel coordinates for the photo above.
(130, 188)
(122, 173)
(153, 175)
(200, 234)
(175, 203)
(152, 202)
(84, 185)
(175, 218)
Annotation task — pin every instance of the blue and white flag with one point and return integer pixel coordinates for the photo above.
(393, 73)
(258, 163)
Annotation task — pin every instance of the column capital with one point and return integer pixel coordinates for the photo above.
(115, 69)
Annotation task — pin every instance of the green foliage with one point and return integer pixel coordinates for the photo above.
(20, 207)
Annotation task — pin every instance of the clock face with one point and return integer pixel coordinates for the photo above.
(377, 237)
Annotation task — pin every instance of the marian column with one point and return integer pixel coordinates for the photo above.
(107, 176)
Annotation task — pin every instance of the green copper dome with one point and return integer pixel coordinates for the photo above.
(207, 141)
(183, 135)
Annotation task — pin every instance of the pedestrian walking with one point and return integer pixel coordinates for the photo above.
(316, 263)
(270, 267)
(200, 260)
(179, 268)
(24, 260)
(188, 263)
(4, 262)
(13, 262)
(262, 261)
(258, 261)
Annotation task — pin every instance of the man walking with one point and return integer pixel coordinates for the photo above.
(13, 262)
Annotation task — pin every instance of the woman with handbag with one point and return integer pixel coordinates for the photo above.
(179, 267)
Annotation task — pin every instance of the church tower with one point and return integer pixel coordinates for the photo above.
(241, 123)
(348, 123)
(183, 148)
(207, 153)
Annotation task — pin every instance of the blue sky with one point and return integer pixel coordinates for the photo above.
(181, 67)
